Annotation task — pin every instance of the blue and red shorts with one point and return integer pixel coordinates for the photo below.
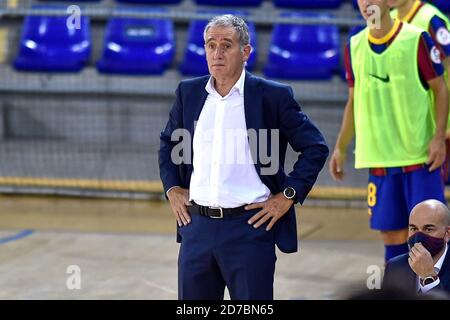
(446, 166)
(393, 193)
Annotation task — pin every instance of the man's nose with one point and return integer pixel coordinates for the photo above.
(218, 53)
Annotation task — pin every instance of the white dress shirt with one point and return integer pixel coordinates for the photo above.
(224, 174)
(437, 268)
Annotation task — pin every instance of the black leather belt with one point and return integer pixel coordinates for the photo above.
(215, 212)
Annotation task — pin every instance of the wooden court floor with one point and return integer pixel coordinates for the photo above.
(141, 216)
(127, 250)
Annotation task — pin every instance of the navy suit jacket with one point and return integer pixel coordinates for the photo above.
(398, 274)
(268, 105)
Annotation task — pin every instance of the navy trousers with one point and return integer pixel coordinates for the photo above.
(229, 252)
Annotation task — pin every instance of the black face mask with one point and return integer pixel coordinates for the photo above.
(432, 244)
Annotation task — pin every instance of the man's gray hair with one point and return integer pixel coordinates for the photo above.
(235, 22)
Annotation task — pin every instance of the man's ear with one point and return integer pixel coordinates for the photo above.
(246, 51)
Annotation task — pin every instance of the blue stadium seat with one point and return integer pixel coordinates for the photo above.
(151, 1)
(233, 3)
(70, 1)
(303, 51)
(194, 62)
(308, 4)
(137, 46)
(444, 5)
(48, 44)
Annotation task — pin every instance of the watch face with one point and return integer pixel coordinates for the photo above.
(428, 280)
(289, 192)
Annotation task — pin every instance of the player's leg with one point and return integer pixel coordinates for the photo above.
(446, 167)
(395, 237)
(422, 185)
(388, 213)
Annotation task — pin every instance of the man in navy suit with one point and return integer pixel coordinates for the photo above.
(225, 181)
(426, 267)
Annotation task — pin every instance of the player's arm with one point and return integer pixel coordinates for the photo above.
(344, 138)
(446, 64)
(431, 71)
(447, 68)
(436, 150)
(336, 165)
(439, 31)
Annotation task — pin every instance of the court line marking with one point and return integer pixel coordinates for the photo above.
(4, 47)
(17, 236)
(160, 287)
(155, 186)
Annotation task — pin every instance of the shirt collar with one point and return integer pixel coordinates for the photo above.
(413, 11)
(238, 86)
(440, 262)
(388, 36)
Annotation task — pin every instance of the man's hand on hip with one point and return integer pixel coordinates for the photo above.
(274, 208)
(179, 199)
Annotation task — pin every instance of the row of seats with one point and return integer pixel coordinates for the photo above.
(147, 46)
(302, 4)
(244, 3)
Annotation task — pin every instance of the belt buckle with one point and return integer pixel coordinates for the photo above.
(221, 213)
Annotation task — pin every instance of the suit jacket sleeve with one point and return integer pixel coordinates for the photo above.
(398, 276)
(305, 138)
(388, 278)
(169, 171)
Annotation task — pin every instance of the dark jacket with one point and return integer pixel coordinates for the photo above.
(268, 105)
(399, 274)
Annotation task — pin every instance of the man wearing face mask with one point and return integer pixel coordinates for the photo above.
(427, 265)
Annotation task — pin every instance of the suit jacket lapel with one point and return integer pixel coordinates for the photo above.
(196, 100)
(444, 273)
(252, 101)
(411, 275)
(253, 107)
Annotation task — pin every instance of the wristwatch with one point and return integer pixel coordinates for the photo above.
(289, 193)
(428, 280)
